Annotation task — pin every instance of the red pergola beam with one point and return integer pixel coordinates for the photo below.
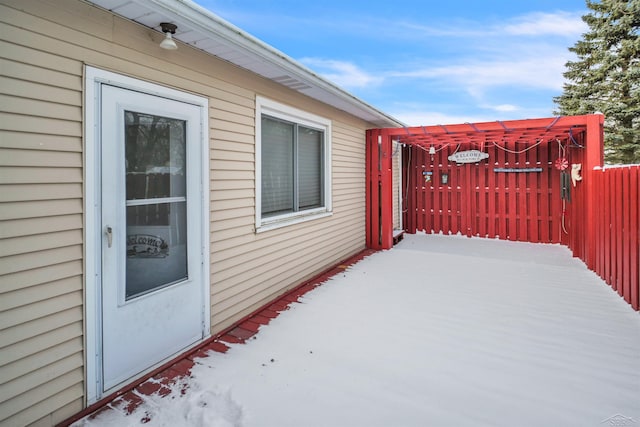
(513, 131)
(502, 126)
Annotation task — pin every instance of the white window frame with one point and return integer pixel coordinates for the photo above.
(290, 114)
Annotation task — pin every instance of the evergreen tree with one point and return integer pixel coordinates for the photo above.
(606, 76)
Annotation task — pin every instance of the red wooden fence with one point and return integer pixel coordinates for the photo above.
(617, 233)
(477, 201)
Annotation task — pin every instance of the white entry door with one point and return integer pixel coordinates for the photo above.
(152, 290)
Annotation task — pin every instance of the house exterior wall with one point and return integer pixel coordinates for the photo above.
(44, 46)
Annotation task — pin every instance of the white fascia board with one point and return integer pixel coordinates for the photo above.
(204, 21)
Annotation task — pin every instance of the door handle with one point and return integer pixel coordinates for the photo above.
(109, 232)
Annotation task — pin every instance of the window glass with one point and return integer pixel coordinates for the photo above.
(292, 167)
(277, 167)
(310, 168)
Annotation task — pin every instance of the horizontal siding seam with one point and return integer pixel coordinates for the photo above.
(278, 291)
(32, 306)
(275, 270)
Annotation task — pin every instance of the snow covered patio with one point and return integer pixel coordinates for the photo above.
(438, 331)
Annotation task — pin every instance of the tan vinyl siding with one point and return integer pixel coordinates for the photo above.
(43, 48)
(41, 357)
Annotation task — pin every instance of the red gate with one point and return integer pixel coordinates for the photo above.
(514, 194)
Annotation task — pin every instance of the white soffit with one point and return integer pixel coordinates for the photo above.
(204, 30)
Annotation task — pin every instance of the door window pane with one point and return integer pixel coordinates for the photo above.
(155, 153)
(156, 254)
(155, 158)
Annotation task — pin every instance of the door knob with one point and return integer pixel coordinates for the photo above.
(109, 232)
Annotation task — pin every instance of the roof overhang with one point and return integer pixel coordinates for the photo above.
(200, 28)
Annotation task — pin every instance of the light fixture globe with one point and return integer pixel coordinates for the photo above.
(169, 29)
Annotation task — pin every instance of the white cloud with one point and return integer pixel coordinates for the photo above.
(503, 108)
(476, 75)
(430, 117)
(342, 73)
(560, 23)
(406, 29)
(422, 114)
(522, 52)
(540, 23)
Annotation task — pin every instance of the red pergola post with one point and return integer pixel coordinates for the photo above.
(386, 188)
(379, 190)
(593, 157)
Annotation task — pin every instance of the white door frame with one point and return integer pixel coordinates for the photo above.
(94, 78)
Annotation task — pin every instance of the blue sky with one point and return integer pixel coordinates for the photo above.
(426, 62)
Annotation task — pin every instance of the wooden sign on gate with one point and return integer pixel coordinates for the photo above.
(470, 156)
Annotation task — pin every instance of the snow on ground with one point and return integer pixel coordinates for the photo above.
(438, 331)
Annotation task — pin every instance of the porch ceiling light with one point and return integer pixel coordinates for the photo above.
(169, 29)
